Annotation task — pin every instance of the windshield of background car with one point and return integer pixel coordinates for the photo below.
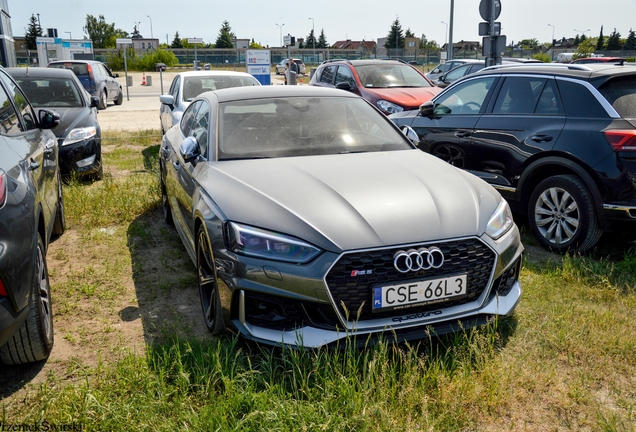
(194, 86)
(390, 75)
(51, 92)
(302, 126)
(621, 93)
(80, 69)
(465, 98)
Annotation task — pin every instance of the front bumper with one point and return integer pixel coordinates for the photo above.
(83, 157)
(273, 315)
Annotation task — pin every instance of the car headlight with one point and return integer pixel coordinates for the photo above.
(80, 134)
(389, 107)
(501, 221)
(261, 243)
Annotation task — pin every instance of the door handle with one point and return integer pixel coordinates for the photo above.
(462, 134)
(166, 150)
(541, 138)
(33, 165)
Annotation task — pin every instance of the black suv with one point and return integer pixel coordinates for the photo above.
(558, 142)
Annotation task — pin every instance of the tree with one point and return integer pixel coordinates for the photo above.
(176, 42)
(577, 40)
(600, 42)
(224, 39)
(630, 42)
(585, 49)
(395, 38)
(255, 45)
(614, 41)
(409, 33)
(425, 44)
(100, 32)
(322, 40)
(34, 31)
(310, 40)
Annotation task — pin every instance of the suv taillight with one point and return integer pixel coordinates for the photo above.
(3, 189)
(621, 140)
(3, 290)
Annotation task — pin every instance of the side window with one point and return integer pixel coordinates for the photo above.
(328, 74)
(21, 103)
(466, 98)
(344, 75)
(550, 100)
(174, 89)
(98, 69)
(519, 95)
(201, 126)
(189, 118)
(579, 102)
(456, 73)
(9, 123)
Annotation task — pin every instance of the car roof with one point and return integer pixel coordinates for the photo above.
(205, 73)
(588, 72)
(39, 72)
(266, 92)
(367, 62)
(75, 61)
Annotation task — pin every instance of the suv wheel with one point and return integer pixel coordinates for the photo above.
(562, 216)
(34, 339)
(102, 101)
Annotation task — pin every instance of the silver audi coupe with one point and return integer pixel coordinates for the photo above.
(311, 218)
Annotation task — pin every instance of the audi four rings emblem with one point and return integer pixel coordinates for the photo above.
(420, 259)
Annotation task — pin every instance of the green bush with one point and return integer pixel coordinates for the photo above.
(115, 60)
(543, 57)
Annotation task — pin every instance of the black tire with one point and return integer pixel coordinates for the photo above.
(103, 100)
(562, 216)
(59, 224)
(208, 287)
(120, 98)
(165, 205)
(34, 339)
(451, 154)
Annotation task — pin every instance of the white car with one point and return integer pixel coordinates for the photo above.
(188, 85)
(280, 67)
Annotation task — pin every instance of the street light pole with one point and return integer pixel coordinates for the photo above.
(313, 32)
(450, 30)
(280, 26)
(151, 35)
(552, 41)
(582, 31)
(446, 33)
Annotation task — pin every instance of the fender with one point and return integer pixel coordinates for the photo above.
(570, 165)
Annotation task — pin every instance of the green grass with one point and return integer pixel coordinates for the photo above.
(563, 361)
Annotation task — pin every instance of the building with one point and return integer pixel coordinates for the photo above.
(363, 48)
(55, 48)
(241, 43)
(7, 43)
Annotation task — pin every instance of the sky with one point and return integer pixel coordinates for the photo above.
(266, 21)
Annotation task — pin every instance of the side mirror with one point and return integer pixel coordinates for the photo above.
(189, 149)
(94, 102)
(344, 86)
(427, 109)
(167, 100)
(116, 75)
(410, 134)
(48, 119)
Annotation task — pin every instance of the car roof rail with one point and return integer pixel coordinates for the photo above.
(538, 65)
(335, 60)
(396, 59)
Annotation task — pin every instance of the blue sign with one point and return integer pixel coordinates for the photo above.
(258, 64)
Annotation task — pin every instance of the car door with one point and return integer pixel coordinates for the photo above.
(446, 129)
(111, 82)
(165, 111)
(525, 118)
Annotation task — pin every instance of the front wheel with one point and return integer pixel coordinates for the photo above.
(59, 223)
(165, 205)
(562, 216)
(34, 339)
(451, 154)
(208, 287)
(120, 98)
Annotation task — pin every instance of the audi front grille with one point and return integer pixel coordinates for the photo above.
(351, 278)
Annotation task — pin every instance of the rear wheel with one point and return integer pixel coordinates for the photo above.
(34, 339)
(103, 102)
(562, 216)
(59, 224)
(208, 288)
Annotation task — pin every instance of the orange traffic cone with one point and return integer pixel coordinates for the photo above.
(143, 79)
(301, 80)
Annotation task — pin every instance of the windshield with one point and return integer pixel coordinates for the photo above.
(301, 126)
(390, 75)
(51, 92)
(194, 86)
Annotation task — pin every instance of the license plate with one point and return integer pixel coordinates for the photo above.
(416, 293)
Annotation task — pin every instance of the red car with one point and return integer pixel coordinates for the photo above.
(598, 60)
(392, 86)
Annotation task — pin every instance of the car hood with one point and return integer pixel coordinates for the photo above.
(71, 118)
(353, 201)
(408, 97)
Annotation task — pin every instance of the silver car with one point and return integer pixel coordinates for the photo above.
(311, 218)
(188, 85)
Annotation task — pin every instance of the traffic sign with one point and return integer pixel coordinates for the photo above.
(45, 39)
(499, 46)
(195, 40)
(484, 9)
(123, 40)
(484, 29)
(287, 39)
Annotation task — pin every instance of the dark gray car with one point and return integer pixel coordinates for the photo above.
(31, 211)
(310, 217)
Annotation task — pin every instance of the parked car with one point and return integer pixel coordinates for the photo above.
(310, 217)
(471, 66)
(282, 66)
(31, 212)
(160, 67)
(556, 140)
(78, 133)
(96, 78)
(587, 60)
(389, 85)
(188, 85)
(442, 68)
